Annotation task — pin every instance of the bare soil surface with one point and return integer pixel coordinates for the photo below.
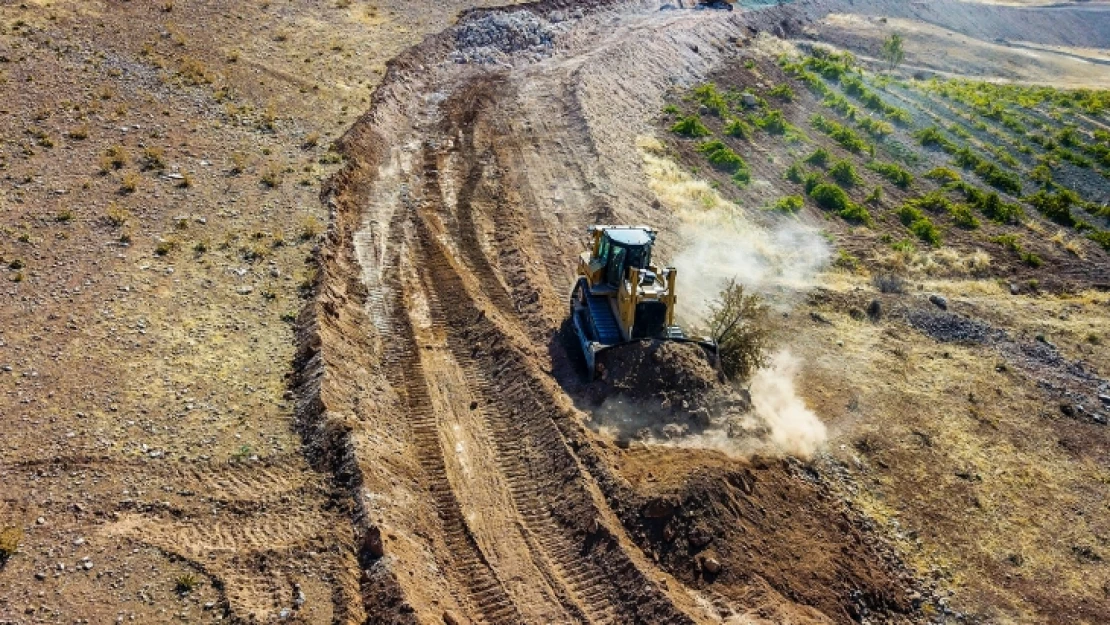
(263, 360)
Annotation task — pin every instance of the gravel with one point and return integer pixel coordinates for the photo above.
(496, 37)
(951, 328)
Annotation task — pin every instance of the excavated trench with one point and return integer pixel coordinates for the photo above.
(430, 357)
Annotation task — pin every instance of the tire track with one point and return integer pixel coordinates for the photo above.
(545, 480)
(466, 563)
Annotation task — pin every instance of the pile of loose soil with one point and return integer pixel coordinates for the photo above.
(662, 370)
(663, 390)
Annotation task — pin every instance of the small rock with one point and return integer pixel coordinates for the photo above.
(1105, 399)
(450, 618)
(939, 302)
(245, 290)
(1014, 289)
(39, 575)
(298, 595)
(712, 566)
(80, 540)
(87, 564)
(749, 100)
(209, 605)
(40, 521)
(1068, 410)
(875, 310)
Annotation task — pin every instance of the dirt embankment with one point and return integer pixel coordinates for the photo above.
(425, 369)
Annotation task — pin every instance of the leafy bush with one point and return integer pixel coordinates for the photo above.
(1055, 206)
(830, 197)
(1102, 237)
(773, 122)
(690, 126)
(962, 215)
(844, 173)
(671, 109)
(708, 96)
(932, 136)
(783, 92)
(795, 173)
(876, 127)
(740, 323)
(789, 204)
(846, 137)
(721, 156)
(811, 181)
(819, 157)
(1031, 259)
(1008, 241)
(739, 128)
(897, 175)
(833, 198)
(874, 197)
(920, 225)
(942, 175)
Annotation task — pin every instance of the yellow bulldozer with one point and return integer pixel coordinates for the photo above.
(620, 296)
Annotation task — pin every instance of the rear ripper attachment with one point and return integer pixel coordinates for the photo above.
(620, 297)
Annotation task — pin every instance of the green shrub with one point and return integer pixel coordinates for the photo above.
(783, 92)
(795, 173)
(830, 197)
(789, 204)
(920, 225)
(932, 136)
(819, 157)
(1008, 241)
(844, 173)
(721, 156)
(690, 126)
(943, 175)
(876, 127)
(875, 196)
(739, 323)
(857, 213)
(897, 175)
(1055, 206)
(671, 109)
(1031, 259)
(1102, 237)
(739, 128)
(962, 215)
(708, 96)
(811, 181)
(846, 137)
(773, 122)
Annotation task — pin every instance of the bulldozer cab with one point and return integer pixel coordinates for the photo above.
(622, 248)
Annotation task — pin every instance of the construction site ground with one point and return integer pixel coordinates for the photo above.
(285, 327)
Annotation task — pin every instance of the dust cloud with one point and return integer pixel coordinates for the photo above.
(793, 427)
(777, 256)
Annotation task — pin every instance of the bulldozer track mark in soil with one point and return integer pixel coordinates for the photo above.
(542, 473)
(466, 562)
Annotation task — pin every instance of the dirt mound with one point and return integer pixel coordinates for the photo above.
(664, 370)
(728, 530)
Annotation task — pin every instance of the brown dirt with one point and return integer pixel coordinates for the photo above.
(419, 451)
(465, 186)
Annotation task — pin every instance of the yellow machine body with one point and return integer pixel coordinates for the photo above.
(620, 295)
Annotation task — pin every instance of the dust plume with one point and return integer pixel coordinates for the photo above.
(793, 427)
(774, 255)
